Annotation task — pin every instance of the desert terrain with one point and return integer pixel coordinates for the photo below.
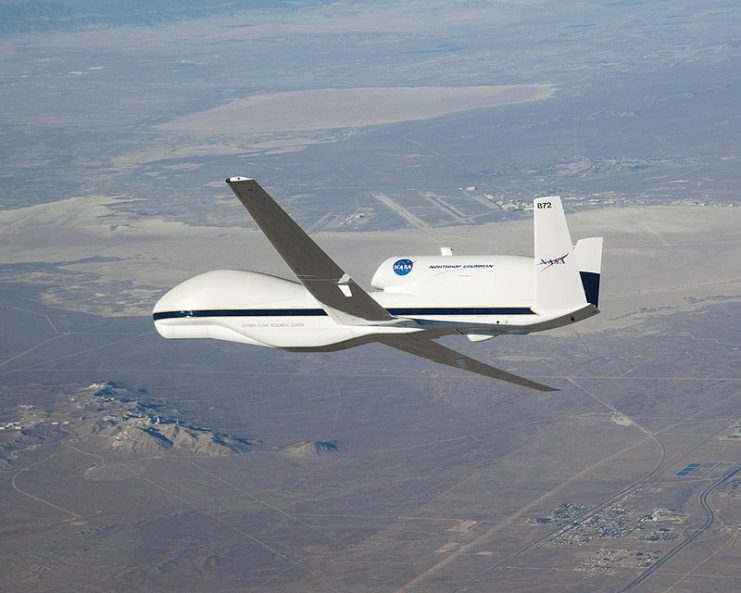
(132, 463)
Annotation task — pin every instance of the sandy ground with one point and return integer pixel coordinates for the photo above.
(322, 109)
(657, 260)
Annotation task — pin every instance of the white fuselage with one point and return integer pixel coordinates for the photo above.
(481, 296)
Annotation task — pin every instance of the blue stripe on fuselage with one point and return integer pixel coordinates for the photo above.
(240, 313)
(400, 312)
(413, 311)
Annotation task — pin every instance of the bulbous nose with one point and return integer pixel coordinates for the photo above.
(161, 306)
(174, 313)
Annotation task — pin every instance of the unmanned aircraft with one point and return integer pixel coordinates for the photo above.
(418, 298)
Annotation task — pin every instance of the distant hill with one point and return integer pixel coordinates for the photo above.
(125, 422)
(119, 418)
(310, 449)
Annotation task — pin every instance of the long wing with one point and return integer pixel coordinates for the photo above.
(430, 350)
(343, 299)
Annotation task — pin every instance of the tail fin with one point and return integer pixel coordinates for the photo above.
(558, 285)
(589, 257)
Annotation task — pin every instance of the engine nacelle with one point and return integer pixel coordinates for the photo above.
(465, 280)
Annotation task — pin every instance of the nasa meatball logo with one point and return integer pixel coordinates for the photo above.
(403, 266)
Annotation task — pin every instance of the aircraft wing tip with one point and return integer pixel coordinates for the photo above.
(238, 178)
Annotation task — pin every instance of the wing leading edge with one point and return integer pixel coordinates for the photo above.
(426, 348)
(343, 299)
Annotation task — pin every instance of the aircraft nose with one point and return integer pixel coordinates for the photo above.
(172, 301)
(159, 315)
(173, 314)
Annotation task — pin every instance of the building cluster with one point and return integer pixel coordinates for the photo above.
(662, 534)
(734, 430)
(605, 561)
(615, 521)
(563, 514)
(29, 418)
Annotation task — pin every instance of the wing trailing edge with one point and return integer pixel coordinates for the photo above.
(436, 352)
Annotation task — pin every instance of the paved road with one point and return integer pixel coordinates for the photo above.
(709, 519)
